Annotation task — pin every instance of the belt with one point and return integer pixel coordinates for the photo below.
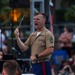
(38, 61)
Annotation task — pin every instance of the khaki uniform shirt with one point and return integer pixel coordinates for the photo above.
(39, 43)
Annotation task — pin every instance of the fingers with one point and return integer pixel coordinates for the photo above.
(33, 58)
(16, 32)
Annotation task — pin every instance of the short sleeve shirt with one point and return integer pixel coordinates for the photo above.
(39, 43)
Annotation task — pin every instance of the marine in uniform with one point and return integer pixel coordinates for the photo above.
(41, 43)
(38, 44)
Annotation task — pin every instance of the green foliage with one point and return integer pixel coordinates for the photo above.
(5, 2)
(70, 14)
(4, 12)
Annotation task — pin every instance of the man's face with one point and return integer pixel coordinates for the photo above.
(39, 21)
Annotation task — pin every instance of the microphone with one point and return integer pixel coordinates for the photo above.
(13, 48)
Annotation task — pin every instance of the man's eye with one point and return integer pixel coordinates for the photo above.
(36, 19)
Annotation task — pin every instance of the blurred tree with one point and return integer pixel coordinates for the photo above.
(4, 11)
(70, 14)
(8, 13)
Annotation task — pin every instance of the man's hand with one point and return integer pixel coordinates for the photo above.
(16, 32)
(33, 58)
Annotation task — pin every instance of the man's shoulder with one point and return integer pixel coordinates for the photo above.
(33, 33)
(48, 32)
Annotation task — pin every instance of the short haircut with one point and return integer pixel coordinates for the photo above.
(69, 28)
(11, 67)
(43, 14)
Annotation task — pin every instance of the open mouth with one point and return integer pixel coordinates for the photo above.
(36, 24)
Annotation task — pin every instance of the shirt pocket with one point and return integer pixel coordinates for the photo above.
(41, 42)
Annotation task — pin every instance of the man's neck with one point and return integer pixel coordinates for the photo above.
(39, 30)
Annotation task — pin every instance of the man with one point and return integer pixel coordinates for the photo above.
(41, 43)
(11, 67)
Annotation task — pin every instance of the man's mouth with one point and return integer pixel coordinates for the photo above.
(36, 24)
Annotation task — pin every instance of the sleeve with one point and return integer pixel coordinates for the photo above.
(28, 41)
(49, 40)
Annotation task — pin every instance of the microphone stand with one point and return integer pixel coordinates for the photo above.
(13, 48)
(15, 53)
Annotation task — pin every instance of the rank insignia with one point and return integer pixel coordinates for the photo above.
(51, 39)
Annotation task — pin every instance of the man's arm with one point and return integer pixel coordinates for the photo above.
(46, 52)
(21, 45)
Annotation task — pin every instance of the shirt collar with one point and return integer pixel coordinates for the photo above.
(42, 32)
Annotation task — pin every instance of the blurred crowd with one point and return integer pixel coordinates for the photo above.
(3, 41)
(67, 67)
(66, 41)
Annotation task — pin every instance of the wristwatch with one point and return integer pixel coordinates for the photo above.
(36, 56)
